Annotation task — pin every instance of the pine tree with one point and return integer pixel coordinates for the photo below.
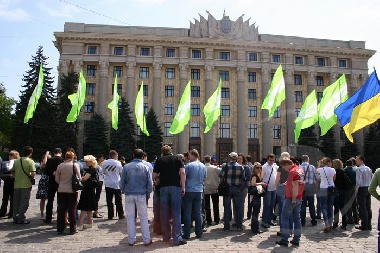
(95, 133)
(328, 144)
(308, 137)
(41, 131)
(151, 144)
(348, 150)
(68, 131)
(6, 117)
(123, 139)
(372, 146)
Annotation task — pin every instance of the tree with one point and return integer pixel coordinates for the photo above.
(123, 140)
(41, 131)
(327, 145)
(308, 137)
(151, 144)
(372, 146)
(6, 117)
(348, 150)
(95, 132)
(67, 137)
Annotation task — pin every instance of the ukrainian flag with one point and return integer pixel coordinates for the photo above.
(362, 109)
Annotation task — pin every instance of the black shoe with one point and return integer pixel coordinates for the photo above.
(198, 236)
(239, 229)
(59, 232)
(234, 225)
(314, 223)
(318, 217)
(282, 243)
(149, 243)
(46, 221)
(361, 228)
(226, 229)
(265, 225)
(24, 222)
(273, 224)
(279, 234)
(180, 243)
(335, 225)
(258, 232)
(131, 244)
(204, 229)
(295, 243)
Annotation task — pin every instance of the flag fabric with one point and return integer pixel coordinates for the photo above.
(114, 106)
(139, 110)
(333, 95)
(308, 115)
(362, 109)
(33, 100)
(182, 115)
(212, 107)
(77, 99)
(276, 93)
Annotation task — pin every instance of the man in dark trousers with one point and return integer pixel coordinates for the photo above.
(50, 168)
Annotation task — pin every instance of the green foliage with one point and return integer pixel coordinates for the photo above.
(327, 145)
(348, 150)
(123, 139)
(372, 146)
(95, 132)
(6, 117)
(308, 137)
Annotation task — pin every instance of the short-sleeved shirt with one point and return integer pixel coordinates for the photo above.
(22, 181)
(168, 167)
(112, 170)
(295, 174)
(235, 174)
(195, 175)
(283, 176)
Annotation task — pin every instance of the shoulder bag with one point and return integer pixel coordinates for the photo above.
(253, 190)
(32, 180)
(75, 182)
(331, 190)
(224, 187)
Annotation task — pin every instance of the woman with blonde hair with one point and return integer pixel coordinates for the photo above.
(256, 180)
(87, 201)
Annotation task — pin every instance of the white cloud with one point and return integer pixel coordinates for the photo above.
(62, 11)
(8, 13)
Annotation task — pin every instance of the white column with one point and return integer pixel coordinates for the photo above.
(209, 141)
(242, 140)
(102, 97)
(183, 139)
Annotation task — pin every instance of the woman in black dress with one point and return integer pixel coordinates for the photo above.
(87, 202)
(256, 180)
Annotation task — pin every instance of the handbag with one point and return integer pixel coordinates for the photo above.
(253, 190)
(331, 190)
(32, 180)
(75, 182)
(224, 187)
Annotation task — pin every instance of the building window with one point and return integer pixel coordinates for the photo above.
(319, 80)
(118, 50)
(195, 110)
(321, 61)
(297, 80)
(277, 113)
(196, 54)
(195, 130)
(92, 50)
(170, 52)
(224, 130)
(252, 56)
(145, 51)
(144, 72)
(251, 93)
(91, 70)
(169, 73)
(89, 106)
(169, 90)
(119, 88)
(145, 90)
(225, 110)
(252, 111)
(167, 126)
(298, 60)
(225, 56)
(169, 109)
(195, 74)
(276, 58)
(118, 70)
(299, 97)
(225, 92)
(145, 108)
(342, 63)
(90, 89)
(224, 75)
(252, 77)
(195, 91)
(298, 110)
(319, 96)
(276, 131)
(252, 131)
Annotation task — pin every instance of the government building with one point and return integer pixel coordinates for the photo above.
(165, 59)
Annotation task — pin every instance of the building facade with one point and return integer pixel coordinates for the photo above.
(164, 59)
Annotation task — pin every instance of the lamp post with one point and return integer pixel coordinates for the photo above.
(291, 146)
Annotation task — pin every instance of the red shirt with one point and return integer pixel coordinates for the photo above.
(295, 174)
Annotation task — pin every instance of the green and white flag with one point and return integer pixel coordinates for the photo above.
(212, 107)
(276, 93)
(139, 110)
(33, 100)
(114, 106)
(333, 95)
(308, 115)
(77, 99)
(182, 115)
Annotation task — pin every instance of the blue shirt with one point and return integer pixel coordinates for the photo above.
(136, 179)
(195, 174)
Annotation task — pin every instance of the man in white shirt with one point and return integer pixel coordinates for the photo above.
(112, 169)
(269, 177)
(211, 191)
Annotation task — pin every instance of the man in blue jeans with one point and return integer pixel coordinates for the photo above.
(172, 188)
(292, 203)
(192, 201)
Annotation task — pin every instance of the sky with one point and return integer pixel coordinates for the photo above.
(27, 24)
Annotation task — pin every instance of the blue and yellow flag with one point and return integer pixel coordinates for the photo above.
(362, 109)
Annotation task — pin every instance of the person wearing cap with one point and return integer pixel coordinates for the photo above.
(234, 174)
(310, 189)
(50, 170)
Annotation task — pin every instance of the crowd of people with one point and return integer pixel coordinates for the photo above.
(183, 189)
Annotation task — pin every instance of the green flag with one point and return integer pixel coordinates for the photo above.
(333, 95)
(182, 115)
(308, 115)
(212, 107)
(139, 111)
(33, 100)
(276, 93)
(114, 106)
(77, 99)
